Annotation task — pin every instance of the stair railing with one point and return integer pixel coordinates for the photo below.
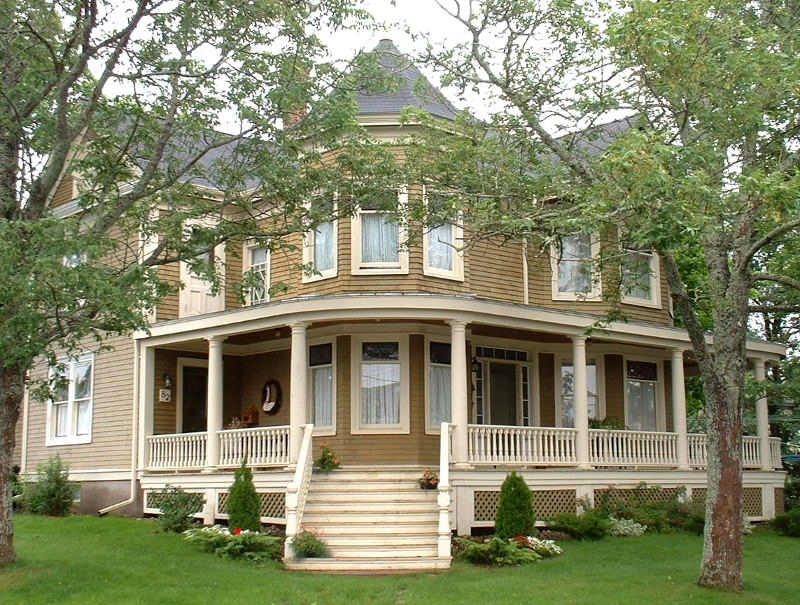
(443, 499)
(297, 491)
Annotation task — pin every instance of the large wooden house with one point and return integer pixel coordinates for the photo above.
(400, 359)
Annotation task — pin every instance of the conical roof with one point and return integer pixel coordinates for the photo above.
(414, 89)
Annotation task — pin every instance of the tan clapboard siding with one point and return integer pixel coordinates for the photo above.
(111, 415)
(65, 192)
(496, 271)
(414, 448)
(615, 387)
(257, 370)
(234, 263)
(547, 389)
(169, 306)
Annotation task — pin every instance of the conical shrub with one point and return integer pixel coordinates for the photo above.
(515, 516)
(244, 506)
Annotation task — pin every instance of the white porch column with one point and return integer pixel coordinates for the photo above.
(581, 401)
(297, 388)
(679, 409)
(147, 400)
(459, 405)
(214, 398)
(762, 418)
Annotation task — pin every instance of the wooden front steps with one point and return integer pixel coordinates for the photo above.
(373, 522)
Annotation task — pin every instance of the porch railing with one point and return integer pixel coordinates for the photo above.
(751, 456)
(531, 445)
(181, 450)
(640, 448)
(263, 446)
(775, 451)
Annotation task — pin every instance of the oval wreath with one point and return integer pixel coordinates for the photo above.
(271, 396)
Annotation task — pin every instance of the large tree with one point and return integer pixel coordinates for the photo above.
(115, 108)
(704, 171)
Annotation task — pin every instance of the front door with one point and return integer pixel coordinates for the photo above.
(194, 385)
(503, 393)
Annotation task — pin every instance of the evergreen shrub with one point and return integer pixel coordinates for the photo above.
(515, 516)
(176, 506)
(244, 505)
(52, 493)
(496, 552)
(788, 523)
(587, 526)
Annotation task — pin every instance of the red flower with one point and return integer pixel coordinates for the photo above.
(237, 531)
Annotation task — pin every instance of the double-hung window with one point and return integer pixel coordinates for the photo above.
(258, 264)
(320, 250)
(567, 378)
(378, 240)
(574, 276)
(69, 414)
(442, 258)
(323, 392)
(641, 395)
(439, 398)
(640, 282)
(380, 385)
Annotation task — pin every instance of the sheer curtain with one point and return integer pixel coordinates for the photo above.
(574, 268)
(322, 379)
(379, 238)
(641, 405)
(380, 393)
(440, 249)
(323, 247)
(439, 394)
(636, 274)
(567, 392)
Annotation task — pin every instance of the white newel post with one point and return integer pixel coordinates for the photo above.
(762, 418)
(459, 405)
(679, 409)
(581, 402)
(297, 388)
(214, 397)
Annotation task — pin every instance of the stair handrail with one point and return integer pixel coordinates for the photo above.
(443, 499)
(297, 491)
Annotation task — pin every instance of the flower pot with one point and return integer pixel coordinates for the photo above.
(427, 486)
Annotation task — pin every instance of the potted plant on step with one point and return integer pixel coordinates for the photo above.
(429, 479)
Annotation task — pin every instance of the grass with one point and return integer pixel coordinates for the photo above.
(113, 560)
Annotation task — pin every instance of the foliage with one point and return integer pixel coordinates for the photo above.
(244, 505)
(791, 493)
(788, 523)
(497, 552)
(624, 528)
(429, 479)
(547, 549)
(242, 544)
(327, 460)
(309, 543)
(611, 423)
(587, 526)
(17, 488)
(648, 506)
(52, 493)
(515, 514)
(177, 506)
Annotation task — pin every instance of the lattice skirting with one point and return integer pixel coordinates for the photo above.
(649, 494)
(273, 504)
(154, 498)
(546, 503)
(753, 506)
(780, 503)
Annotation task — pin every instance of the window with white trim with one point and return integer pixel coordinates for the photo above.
(641, 283)
(567, 380)
(322, 381)
(69, 413)
(380, 385)
(440, 246)
(641, 395)
(574, 276)
(320, 250)
(439, 397)
(257, 262)
(378, 240)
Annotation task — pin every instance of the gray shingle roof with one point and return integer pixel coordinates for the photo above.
(414, 89)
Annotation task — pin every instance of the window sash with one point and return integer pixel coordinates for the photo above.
(638, 280)
(440, 248)
(575, 273)
(323, 256)
(567, 392)
(259, 260)
(380, 392)
(70, 414)
(440, 397)
(642, 405)
(322, 395)
(380, 239)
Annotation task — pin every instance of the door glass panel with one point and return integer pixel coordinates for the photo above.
(195, 382)
(503, 393)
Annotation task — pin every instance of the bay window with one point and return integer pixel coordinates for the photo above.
(320, 252)
(378, 239)
(380, 385)
(69, 412)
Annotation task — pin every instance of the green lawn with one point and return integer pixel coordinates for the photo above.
(111, 560)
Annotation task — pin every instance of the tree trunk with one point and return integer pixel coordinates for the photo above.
(11, 391)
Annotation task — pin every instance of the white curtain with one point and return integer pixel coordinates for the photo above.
(439, 394)
(379, 238)
(323, 247)
(440, 249)
(83, 418)
(574, 269)
(380, 393)
(322, 379)
(641, 405)
(62, 418)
